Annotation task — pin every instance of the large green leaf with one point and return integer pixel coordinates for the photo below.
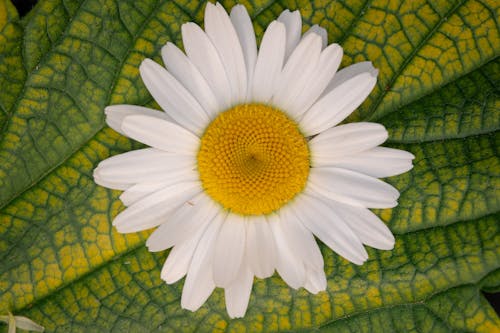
(64, 266)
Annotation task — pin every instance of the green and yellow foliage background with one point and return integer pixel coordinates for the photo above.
(64, 266)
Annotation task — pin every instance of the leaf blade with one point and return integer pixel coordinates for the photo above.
(67, 269)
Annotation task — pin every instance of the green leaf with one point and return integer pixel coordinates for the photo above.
(65, 267)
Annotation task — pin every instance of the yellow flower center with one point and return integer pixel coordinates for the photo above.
(253, 159)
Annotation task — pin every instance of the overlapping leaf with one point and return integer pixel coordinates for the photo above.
(64, 266)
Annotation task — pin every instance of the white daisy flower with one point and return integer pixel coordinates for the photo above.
(248, 162)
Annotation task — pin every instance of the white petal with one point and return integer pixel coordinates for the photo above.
(229, 250)
(293, 24)
(22, 323)
(221, 32)
(191, 216)
(238, 293)
(177, 263)
(142, 190)
(179, 259)
(315, 82)
(315, 281)
(246, 35)
(334, 107)
(366, 225)
(352, 188)
(329, 228)
(11, 321)
(298, 68)
(377, 162)
(199, 282)
(161, 134)
(301, 240)
(204, 56)
(112, 185)
(144, 165)
(290, 268)
(269, 63)
(320, 32)
(152, 210)
(349, 139)
(349, 72)
(260, 250)
(190, 77)
(173, 97)
(133, 156)
(116, 113)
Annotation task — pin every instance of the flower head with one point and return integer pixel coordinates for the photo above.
(248, 163)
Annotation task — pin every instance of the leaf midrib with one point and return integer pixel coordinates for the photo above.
(372, 113)
(29, 73)
(98, 129)
(354, 22)
(393, 306)
(494, 84)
